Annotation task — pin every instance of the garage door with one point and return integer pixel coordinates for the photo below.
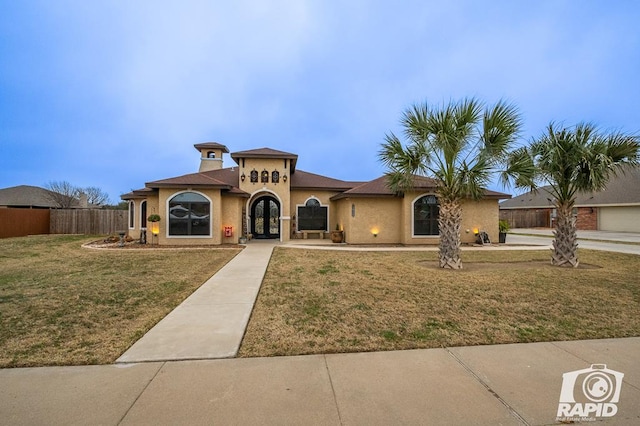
(620, 219)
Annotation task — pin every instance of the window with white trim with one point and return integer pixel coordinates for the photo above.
(425, 216)
(312, 216)
(189, 214)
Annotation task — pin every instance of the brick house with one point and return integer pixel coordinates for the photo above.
(616, 208)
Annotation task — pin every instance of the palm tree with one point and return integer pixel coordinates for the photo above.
(459, 145)
(572, 161)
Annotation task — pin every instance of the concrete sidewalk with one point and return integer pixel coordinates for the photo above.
(211, 322)
(484, 385)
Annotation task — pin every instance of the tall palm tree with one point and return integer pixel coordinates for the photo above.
(460, 145)
(573, 160)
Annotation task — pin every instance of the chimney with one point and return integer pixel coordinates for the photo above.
(211, 155)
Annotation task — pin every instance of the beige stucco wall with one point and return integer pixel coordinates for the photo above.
(380, 215)
(393, 219)
(138, 217)
(481, 214)
(232, 216)
(279, 190)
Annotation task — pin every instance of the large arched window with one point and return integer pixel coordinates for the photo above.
(312, 216)
(189, 214)
(425, 216)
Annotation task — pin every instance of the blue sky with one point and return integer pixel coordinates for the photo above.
(115, 93)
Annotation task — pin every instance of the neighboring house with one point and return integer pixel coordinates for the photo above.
(264, 195)
(26, 196)
(34, 197)
(617, 208)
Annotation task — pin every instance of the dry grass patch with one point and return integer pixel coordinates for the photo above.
(316, 301)
(61, 304)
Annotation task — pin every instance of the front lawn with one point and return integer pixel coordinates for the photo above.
(61, 304)
(316, 301)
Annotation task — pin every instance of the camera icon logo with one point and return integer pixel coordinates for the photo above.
(590, 392)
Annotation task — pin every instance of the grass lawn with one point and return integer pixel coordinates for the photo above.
(316, 301)
(61, 304)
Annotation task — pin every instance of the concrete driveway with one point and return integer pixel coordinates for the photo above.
(620, 242)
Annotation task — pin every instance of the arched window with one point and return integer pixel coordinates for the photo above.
(211, 154)
(132, 215)
(189, 214)
(425, 216)
(312, 216)
(143, 214)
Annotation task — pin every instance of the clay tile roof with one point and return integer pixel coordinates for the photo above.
(305, 180)
(137, 193)
(225, 179)
(193, 179)
(211, 145)
(266, 153)
(380, 188)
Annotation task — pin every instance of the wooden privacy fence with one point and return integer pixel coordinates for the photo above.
(527, 218)
(88, 221)
(22, 222)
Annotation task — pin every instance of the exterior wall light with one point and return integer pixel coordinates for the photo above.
(374, 232)
(284, 178)
(242, 177)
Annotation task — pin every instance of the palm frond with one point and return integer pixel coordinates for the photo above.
(520, 168)
(502, 127)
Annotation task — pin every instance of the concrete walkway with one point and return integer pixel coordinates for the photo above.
(480, 385)
(211, 322)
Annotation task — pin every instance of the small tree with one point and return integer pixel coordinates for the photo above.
(460, 146)
(573, 160)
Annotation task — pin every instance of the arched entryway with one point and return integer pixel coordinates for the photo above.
(265, 217)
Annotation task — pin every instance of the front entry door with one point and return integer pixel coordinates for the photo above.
(265, 218)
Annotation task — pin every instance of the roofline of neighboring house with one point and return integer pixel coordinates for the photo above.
(550, 206)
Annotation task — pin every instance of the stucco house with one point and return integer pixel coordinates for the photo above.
(616, 208)
(264, 195)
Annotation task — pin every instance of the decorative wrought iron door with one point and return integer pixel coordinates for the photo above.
(265, 218)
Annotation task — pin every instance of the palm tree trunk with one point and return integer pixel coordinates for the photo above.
(565, 244)
(449, 221)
